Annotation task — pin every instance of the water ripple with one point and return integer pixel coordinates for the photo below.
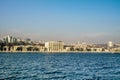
(59, 66)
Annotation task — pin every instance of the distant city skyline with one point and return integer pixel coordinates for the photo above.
(92, 21)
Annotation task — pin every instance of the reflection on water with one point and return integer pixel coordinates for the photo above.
(59, 66)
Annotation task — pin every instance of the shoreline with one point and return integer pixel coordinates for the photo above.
(56, 52)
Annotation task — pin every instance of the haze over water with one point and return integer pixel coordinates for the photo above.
(59, 66)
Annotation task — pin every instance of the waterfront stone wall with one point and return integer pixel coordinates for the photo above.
(38, 48)
(23, 48)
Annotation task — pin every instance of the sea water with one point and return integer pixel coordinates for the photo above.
(59, 66)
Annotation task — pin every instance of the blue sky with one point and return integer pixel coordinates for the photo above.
(92, 21)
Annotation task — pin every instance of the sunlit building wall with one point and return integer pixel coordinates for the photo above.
(54, 46)
(110, 44)
(9, 39)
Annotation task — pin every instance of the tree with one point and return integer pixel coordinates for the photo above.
(35, 49)
(19, 49)
(29, 48)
